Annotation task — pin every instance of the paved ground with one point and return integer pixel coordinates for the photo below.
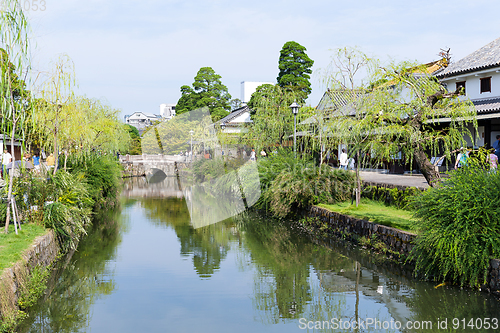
(406, 180)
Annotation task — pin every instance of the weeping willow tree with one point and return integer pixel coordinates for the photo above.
(54, 110)
(397, 112)
(75, 124)
(93, 126)
(14, 98)
(272, 117)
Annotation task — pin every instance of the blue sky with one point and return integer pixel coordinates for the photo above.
(137, 54)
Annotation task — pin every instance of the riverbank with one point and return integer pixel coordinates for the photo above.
(397, 244)
(23, 283)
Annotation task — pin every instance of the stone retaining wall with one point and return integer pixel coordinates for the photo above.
(43, 252)
(396, 240)
(493, 281)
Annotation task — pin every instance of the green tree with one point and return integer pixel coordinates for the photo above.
(398, 111)
(14, 104)
(295, 66)
(207, 90)
(272, 116)
(135, 140)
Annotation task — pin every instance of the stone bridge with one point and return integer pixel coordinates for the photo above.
(140, 165)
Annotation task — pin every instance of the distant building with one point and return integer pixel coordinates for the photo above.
(236, 122)
(248, 88)
(167, 111)
(141, 120)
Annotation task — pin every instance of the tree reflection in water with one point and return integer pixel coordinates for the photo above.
(208, 246)
(293, 277)
(283, 287)
(81, 278)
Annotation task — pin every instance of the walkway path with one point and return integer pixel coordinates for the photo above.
(403, 180)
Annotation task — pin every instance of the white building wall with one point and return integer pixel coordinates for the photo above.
(248, 88)
(167, 111)
(473, 84)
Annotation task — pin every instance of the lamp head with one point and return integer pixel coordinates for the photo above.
(295, 108)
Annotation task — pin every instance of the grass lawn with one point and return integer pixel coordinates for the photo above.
(376, 212)
(12, 245)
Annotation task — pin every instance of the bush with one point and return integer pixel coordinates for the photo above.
(102, 173)
(391, 196)
(301, 184)
(459, 224)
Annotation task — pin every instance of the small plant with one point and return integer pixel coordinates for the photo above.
(32, 289)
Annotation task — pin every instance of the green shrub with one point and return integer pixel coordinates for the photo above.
(103, 175)
(33, 286)
(459, 223)
(302, 187)
(391, 196)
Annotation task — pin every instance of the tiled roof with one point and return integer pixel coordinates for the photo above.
(487, 105)
(235, 113)
(486, 57)
(334, 100)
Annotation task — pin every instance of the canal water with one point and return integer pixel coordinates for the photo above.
(146, 269)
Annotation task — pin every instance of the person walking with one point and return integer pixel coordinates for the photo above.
(6, 159)
(51, 161)
(344, 160)
(36, 162)
(493, 160)
(496, 145)
(462, 158)
(252, 155)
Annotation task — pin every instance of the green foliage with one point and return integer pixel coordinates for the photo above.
(205, 170)
(102, 174)
(398, 110)
(290, 184)
(207, 90)
(460, 223)
(400, 198)
(70, 212)
(135, 141)
(173, 136)
(33, 289)
(272, 118)
(294, 69)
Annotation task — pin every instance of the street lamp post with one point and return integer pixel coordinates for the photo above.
(295, 109)
(222, 127)
(191, 132)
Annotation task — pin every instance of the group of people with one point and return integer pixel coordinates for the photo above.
(492, 157)
(34, 159)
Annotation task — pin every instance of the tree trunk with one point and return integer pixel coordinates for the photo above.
(11, 176)
(427, 169)
(358, 181)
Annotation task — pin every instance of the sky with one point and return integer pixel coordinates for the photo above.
(137, 54)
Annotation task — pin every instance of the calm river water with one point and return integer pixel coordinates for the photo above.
(145, 269)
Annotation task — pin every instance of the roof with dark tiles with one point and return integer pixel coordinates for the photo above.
(486, 57)
(235, 113)
(487, 105)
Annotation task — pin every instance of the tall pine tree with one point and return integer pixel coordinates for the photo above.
(295, 69)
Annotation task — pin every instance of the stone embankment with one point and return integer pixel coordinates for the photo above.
(395, 240)
(42, 253)
(342, 225)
